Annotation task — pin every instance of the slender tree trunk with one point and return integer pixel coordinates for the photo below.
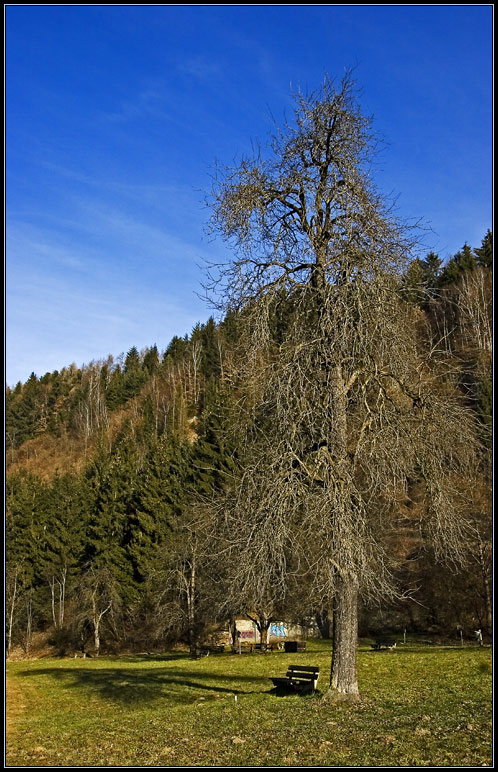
(233, 632)
(264, 626)
(29, 620)
(51, 584)
(323, 619)
(96, 626)
(191, 610)
(96, 637)
(62, 595)
(11, 616)
(97, 619)
(486, 584)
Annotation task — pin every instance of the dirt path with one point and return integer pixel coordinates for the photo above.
(14, 706)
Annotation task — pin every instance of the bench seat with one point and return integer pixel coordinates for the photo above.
(211, 649)
(388, 643)
(299, 678)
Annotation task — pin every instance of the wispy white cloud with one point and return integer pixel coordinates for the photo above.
(201, 68)
(149, 101)
(108, 281)
(52, 322)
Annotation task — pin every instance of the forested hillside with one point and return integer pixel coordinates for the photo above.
(113, 468)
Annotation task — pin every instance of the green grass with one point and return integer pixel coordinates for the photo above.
(421, 706)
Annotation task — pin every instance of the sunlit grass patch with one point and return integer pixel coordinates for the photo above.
(420, 707)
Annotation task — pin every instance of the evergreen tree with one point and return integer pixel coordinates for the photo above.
(176, 350)
(64, 526)
(212, 454)
(414, 286)
(115, 480)
(27, 410)
(25, 496)
(450, 273)
(431, 269)
(159, 504)
(465, 259)
(484, 253)
(151, 360)
(115, 393)
(211, 350)
(25, 501)
(134, 374)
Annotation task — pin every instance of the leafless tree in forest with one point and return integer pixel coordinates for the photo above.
(185, 601)
(350, 402)
(97, 598)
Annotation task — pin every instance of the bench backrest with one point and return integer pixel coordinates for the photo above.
(303, 673)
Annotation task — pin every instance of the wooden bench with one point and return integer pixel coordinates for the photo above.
(295, 646)
(273, 646)
(299, 678)
(388, 643)
(211, 649)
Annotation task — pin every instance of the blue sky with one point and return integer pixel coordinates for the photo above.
(115, 116)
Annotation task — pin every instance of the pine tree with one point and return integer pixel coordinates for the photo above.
(465, 259)
(115, 393)
(64, 525)
(134, 374)
(176, 350)
(211, 350)
(484, 253)
(27, 411)
(158, 504)
(115, 481)
(212, 455)
(151, 360)
(414, 285)
(25, 497)
(431, 269)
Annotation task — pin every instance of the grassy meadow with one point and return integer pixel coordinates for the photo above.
(421, 706)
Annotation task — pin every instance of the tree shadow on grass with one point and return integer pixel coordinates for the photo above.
(278, 691)
(133, 687)
(132, 658)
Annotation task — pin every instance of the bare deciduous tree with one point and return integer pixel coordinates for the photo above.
(349, 401)
(184, 601)
(97, 598)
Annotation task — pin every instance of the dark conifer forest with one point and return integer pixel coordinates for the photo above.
(115, 470)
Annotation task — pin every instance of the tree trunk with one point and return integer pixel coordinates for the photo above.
(191, 610)
(264, 626)
(96, 636)
(323, 620)
(11, 616)
(51, 584)
(62, 594)
(486, 584)
(233, 632)
(29, 620)
(343, 675)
